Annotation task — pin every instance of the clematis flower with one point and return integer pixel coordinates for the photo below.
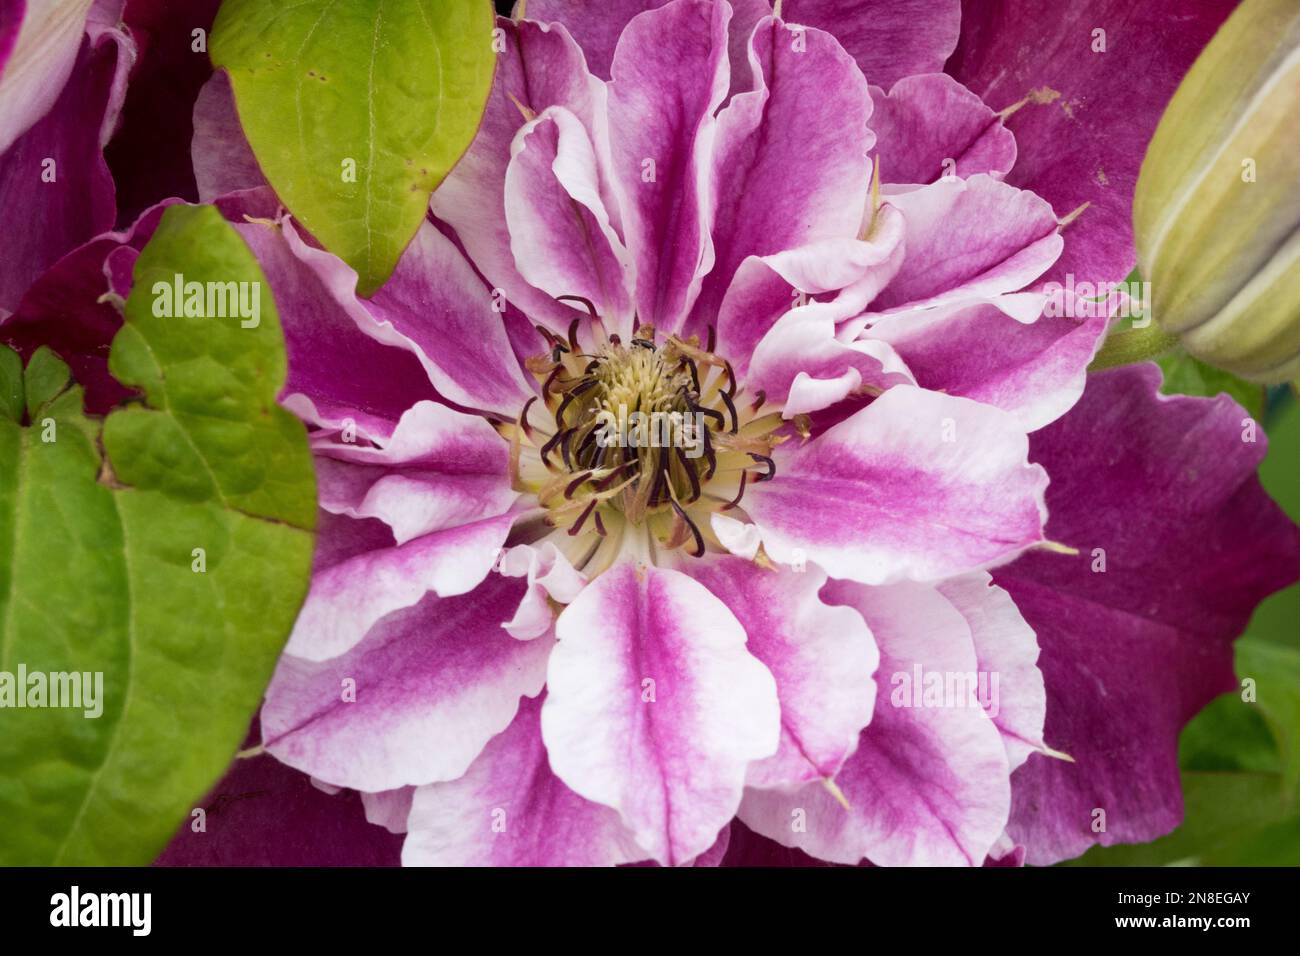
(528, 645)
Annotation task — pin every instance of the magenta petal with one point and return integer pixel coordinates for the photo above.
(346, 599)
(263, 813)
(655, 708)
(540, 67)
(597, 27)
(39, 41)
(917, 485)
(1035, 371)
(1083, 132)
(823, 659)
(1163, 490)
(338, 367)
(440, 469)
(1007, 651)
(415, 701)
(437, 307)
(790, 164)
(509, 809)
(930, 126)
(223, 161)
(967, 239)
(670, 75)
(73, 199)
(927, 785)
(889, 39)
(560, 230)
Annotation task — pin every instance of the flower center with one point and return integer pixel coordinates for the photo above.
(645, 434)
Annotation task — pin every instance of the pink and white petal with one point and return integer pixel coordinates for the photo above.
(917, 485)
(927, 785)
(348, 598)
(440, 468)
(889, 39)
(550, 576)
(338, 368)
(1190, 543)
(929, 126)
(598, 27)
(43, 39)
(560, 231)
(415, 701)
(822, 657)
(790, 165)
(1094, 79)
(54, 173)
(223, 160)
(541, 66)
(389, 809)
(803, 366)
(1007, 651)
(655, 708)
(969, 238)
(767, 287)
(1035, 372)
(437, 307)
(670, 75)
(509, 809)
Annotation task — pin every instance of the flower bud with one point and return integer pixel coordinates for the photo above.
(1218, 199)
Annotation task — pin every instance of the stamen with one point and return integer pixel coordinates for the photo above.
(734, 502)
(771, 466)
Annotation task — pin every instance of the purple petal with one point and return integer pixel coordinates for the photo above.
(967, 239)
(790, 165)
(339, 369)
(597, 27)
(930, 126)
(1005, 646)
(263, 813)
(347, 598)
(1034, 371)
(73, 199)
(559, 228)
(223, 161)
(928, 784)
(655, 707)
(670, 74)
(440, 469)
(41, 40)
(1164, 491)
(889, 39)
(509, 809)
(917, 485)
(823, 659)
(540, 67)
(431, 685)
(1090, 114)
(436, 306)
(765, 288)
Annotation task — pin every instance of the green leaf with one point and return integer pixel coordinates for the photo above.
(1185, 375)
(386, 94)
(174, 567)
(1230, 819)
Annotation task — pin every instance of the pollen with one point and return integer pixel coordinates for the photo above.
(634, 444)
